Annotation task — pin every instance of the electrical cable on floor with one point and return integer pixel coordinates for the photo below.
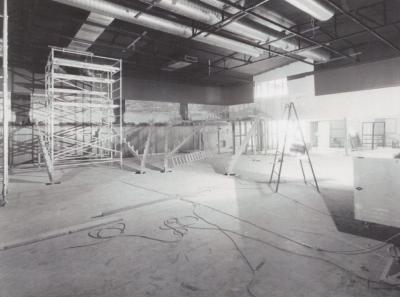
(318, 249)
(395, 287)
(349, 252)
(180, 229)
(246, 260)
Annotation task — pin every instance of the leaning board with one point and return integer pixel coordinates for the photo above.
(377, 190)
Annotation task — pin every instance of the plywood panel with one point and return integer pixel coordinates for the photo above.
(377, 190)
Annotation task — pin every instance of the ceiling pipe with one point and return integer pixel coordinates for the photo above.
(260, 10)
(203, 14)
(293, 32)
(208, 16)
(146, 20)
(314, 8)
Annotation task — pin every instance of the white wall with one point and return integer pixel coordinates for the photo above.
(356, 107)
(281, 72)
(369, 104)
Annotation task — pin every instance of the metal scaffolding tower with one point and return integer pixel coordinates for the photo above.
(84, 110)
(5, 105)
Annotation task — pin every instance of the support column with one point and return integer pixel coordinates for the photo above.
(219, 139)
(346, 140)
(166, 151)
(234, 137)
(5, 105)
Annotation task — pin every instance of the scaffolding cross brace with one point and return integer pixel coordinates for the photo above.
(84, 109)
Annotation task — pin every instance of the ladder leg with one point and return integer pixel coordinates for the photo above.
(273, 166)
(305, 146)
(289, 111)
(302, 171)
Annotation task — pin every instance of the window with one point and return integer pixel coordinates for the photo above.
(271, 89)
(337, 131)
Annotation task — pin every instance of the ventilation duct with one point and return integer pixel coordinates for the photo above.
(273, 16)
(88, 33)
(203, 14)
(146, 20)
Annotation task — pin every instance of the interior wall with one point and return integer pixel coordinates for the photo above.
(240, 94)
(145, 100)
(24, 144)
(151, 90)
(380, 74)
(204, 103)
(164, 91)
(354, 107)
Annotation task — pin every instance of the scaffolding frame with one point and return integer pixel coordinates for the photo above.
(84, 110)
(5, 105)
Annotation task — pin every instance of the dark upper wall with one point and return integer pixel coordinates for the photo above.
(238, 94)
(20, 82)
(381, 74)
(151, 90)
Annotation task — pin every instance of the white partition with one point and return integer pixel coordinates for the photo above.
(377, 190)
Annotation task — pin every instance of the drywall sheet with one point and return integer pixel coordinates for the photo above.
(138, 112)
(377, 190)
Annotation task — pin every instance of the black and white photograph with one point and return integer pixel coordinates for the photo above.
(200, 148)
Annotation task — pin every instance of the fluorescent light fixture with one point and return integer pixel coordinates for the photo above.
(314, 8)
(181, 63)
(175, 65)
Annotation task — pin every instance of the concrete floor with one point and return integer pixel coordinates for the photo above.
(191, 232)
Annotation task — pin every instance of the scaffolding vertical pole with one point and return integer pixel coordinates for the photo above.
(5, 104)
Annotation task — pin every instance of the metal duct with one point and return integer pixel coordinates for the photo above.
(88, 33)
(203, 14)
(276, 17)
(273, 16)
(146, 20)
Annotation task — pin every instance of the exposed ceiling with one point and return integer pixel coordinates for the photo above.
(360, 31)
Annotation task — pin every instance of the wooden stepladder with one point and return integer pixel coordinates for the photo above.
(290, 115)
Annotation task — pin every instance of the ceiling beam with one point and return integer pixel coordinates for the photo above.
(362, 24)
(339, 38)
(301, 36)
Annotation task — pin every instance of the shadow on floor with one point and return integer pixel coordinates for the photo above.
(340, 204)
